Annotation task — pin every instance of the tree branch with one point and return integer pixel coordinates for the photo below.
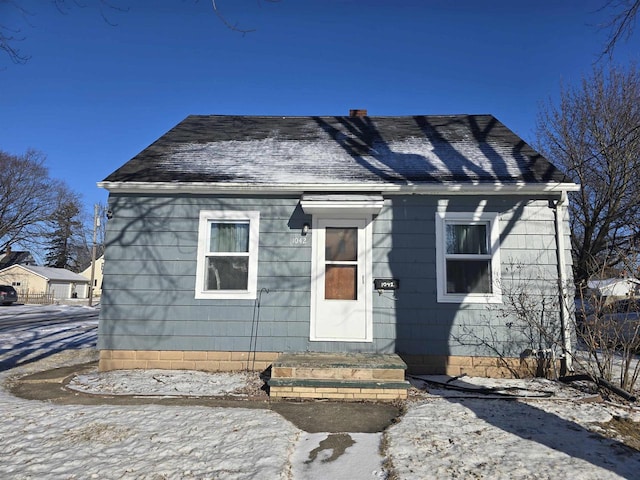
(226, 23)
(621, 25)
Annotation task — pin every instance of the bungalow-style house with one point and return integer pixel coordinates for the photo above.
(29, 280)
(243, 241)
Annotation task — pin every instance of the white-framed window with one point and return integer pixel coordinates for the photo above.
(227, 265)
(468, 257)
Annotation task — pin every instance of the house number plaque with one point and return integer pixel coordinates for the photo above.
(299, 240)
(386, 283)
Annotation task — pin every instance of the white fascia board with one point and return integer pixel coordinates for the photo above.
(520, 188)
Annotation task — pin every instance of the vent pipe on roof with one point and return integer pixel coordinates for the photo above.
(357, 113)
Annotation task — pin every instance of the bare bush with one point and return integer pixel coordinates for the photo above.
(609, 333)
(526, 325)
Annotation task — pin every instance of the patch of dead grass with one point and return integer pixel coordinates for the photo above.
(623, 429)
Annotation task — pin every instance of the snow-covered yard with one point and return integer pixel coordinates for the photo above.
(462, 436)
(443, 433)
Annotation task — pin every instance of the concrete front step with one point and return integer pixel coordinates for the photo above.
(345, 376)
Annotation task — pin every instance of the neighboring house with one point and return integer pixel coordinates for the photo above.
(615, 287)
(97, 276)
(30, 279)
(10, 257)
(240, 235)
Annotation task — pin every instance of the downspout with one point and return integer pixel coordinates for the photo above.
(559, 209)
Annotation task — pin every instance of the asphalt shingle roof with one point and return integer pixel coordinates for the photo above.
(258, 150)
(14, 258)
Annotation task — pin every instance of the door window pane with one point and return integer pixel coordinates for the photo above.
(467, 239)
(341, 244)
(340, 282)
(227, 273)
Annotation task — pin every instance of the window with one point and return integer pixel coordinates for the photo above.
(468, 261)
(227, 254)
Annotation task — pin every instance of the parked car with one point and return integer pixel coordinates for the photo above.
(8, 294)
(617, 323)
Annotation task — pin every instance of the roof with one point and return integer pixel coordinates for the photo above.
(264, 151)
(55, 274)
(17, 257)
(611, 281)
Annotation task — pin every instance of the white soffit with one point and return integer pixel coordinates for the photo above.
(314, 204)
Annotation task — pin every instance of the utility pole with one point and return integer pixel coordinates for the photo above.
(96, 224)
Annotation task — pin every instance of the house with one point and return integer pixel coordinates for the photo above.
(614, 287)
(31, 279)
(237, 239)
(11, 257)
(97, 275)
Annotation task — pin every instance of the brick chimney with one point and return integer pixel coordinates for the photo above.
(357, 113)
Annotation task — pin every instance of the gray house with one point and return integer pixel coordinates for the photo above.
(236, 239)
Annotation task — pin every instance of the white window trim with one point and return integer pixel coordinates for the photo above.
(253, 217)
(490, 218)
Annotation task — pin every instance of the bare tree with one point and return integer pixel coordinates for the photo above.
(27, 198)
(12, 35)
(621, 24)
(594, 133)
(228, 24)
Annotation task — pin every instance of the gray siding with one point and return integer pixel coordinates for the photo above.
(150, 262)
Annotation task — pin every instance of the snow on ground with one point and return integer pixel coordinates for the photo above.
(42, 440)
(46, 441)
(32, 332)
(161, 383)
(499, 439)
(444, 433)
(337, 456)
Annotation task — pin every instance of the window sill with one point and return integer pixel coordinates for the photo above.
(461, 298)
(226, 295)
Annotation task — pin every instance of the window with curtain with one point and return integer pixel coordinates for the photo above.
(467, 257)
(227, 254)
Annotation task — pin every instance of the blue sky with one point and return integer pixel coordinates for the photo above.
(93, 95)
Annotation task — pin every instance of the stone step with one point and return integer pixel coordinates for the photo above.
(328, 383)
(345, 376)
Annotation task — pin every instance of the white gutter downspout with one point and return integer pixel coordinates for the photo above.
(560, 207)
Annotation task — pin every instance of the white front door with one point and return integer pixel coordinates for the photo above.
(340, 299)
